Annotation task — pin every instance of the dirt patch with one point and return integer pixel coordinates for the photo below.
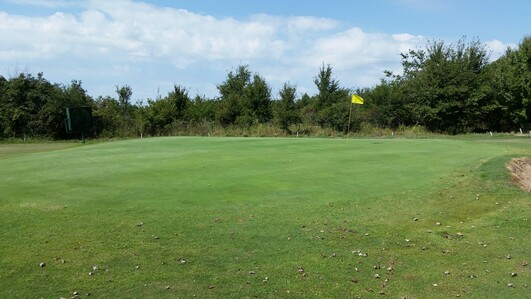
(520, 169)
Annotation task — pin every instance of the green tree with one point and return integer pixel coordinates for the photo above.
(257, 100)
(181, 100)
(125, 107)
(160, 115)
(510, 89)
(329, 91)
(107, 117)
(23, 99)
(231, 95)
(3, 105)
(287, 112)
(164, 114)
(245, 99)
(440, 85)
(203, 110)
(332, 101)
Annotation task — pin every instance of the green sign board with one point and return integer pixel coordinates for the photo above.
(78, 119)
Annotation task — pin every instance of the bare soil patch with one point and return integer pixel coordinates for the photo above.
(520, 169)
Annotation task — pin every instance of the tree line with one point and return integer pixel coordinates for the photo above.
(444, 88)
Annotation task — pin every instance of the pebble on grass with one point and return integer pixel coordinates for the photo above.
(42, 265)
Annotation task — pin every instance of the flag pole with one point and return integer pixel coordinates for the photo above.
(356, 99)
(349, 117)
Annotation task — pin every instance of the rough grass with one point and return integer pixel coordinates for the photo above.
(246, 217)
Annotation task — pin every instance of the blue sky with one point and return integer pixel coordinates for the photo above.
(152, 45)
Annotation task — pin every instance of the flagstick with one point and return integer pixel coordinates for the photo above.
(349, 117)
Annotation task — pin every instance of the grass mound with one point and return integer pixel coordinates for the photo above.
(245, 217)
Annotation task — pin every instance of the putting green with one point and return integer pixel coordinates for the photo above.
(265, 217)
(170, 172)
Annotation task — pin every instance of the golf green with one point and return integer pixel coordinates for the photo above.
(267, 217)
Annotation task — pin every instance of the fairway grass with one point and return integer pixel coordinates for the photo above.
(261, 217)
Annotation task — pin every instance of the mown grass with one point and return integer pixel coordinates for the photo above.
(213, 217)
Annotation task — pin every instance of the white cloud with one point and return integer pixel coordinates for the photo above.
(498, 48)
(147, 46)
(46, 3)
(119, 35)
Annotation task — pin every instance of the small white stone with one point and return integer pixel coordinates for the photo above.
(377, 275)
(43, 264)
(510, 285)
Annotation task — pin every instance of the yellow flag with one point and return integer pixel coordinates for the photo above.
(356, 99)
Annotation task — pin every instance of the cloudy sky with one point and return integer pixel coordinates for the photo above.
(151, 45)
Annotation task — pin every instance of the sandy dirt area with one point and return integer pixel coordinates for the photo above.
(521, 172)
